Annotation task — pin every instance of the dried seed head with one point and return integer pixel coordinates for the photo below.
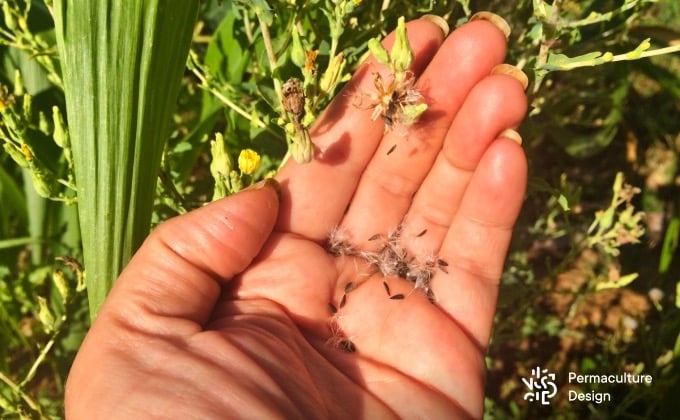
(396, 102)
(338, 244)
(294, 98)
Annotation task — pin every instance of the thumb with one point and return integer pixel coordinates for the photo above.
(178, 270)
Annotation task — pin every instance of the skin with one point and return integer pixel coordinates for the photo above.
(223, 312)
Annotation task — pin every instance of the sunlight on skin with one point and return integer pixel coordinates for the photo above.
(216, 316)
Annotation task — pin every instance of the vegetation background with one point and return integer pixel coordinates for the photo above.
(592, 281)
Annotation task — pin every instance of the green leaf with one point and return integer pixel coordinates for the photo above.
(122, 68)
(637, 52)
(225, 57)
(45, 314)
(563, 202)
(562, 62)
(670, 245)
(618, 283)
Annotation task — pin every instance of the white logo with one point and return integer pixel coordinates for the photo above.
(541, 386)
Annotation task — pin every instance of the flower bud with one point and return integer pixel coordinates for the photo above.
(45, 315)
(330, 77)
(302, 148)
(18, 84)
(44, 180)
(61, 284)
(401, 55)
(60, 134)
(379, 52)
(27, 105)
(17, 156)
(220, 167)
(10, 19)
(248, 161)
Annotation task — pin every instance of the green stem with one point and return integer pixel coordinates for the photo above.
(650, 53)
(271, 57)
(18, 391)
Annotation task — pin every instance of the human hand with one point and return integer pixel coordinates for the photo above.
(224, 312)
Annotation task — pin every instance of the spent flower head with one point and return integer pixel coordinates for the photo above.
(395, 101)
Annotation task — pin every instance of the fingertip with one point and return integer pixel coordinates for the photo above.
(511, 134)
(514, 72)
(439, 21)
(497, 21)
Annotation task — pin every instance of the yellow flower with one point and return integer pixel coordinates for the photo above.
(248, 161)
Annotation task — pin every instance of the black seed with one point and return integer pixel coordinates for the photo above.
(348, 346)
(421, 233)
(387, 288)
(374, 237)
(398, 296)
(391, 149)
(343, 301)
(332, 308)
(349, 287)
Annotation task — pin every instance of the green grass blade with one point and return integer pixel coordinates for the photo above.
(121, 64)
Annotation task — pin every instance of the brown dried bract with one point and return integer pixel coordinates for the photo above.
(294, 100)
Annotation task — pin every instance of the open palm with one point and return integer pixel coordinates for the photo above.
(224, 312)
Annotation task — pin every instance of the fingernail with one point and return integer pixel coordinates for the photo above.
(268, 182)
(511, 134)
(512, 71)
(439, 21)
(497, 21)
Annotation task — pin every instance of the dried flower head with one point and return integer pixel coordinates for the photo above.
(294, 98)
(397, 102)
(338, 243)
(293, 101)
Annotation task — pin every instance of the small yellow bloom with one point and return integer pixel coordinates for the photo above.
(248, 161)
